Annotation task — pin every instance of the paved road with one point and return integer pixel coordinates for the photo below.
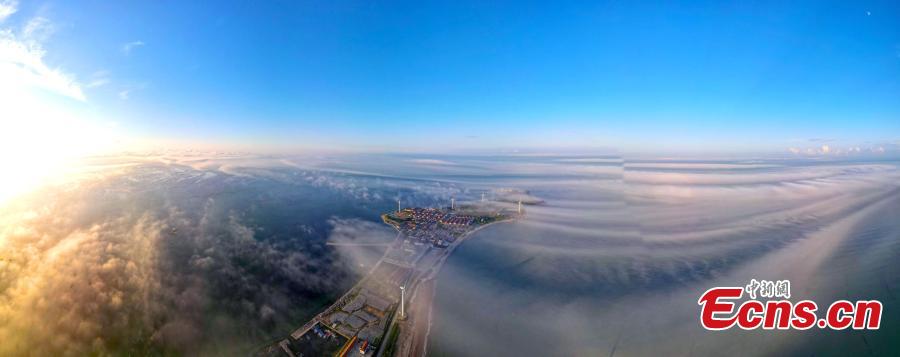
(359, 244)
(422, 324)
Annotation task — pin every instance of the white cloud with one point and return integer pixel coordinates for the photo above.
(431, 162)
(826, 150)
(22, 59)
(7, 8)
(98, 79)
(38, 29)
(22, 65)
(125, 94)
(41, 131)
(126, 48)
(97, 82)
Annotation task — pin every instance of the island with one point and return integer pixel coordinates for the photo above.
(388, 312)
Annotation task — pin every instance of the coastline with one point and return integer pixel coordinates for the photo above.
(405, 335)
(424, 305)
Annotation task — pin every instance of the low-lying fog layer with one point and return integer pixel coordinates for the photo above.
(217, 255)
(616, 259)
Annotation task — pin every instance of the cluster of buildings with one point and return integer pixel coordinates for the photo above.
(434, 226)
(358, 319)
(425, 215)
(365, 310)
(457, 220)
(358, 322)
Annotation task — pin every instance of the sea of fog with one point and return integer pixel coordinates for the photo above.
(615, 261)
(204, 254)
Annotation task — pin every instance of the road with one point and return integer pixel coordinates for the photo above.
(422, 306)
(420, 283)
(350, 244)
(300, 331)
(414, 331)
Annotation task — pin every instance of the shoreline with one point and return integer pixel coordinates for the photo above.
(419, 339)
(415, 327)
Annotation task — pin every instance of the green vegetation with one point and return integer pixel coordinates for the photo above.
(391, 343)
(391, 220)
(490, 219)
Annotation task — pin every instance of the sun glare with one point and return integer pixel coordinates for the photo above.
(40, 141)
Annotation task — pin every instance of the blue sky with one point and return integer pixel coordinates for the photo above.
(641, 76)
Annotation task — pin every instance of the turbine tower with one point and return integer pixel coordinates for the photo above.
(452, 203)
(482, 197)
(520, 207)
(402, 300)
(398, 205)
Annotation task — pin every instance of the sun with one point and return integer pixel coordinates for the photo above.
(41, 138)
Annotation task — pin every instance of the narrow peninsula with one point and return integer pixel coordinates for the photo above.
(388, 312)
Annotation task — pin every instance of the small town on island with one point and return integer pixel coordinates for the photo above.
(388, 312)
